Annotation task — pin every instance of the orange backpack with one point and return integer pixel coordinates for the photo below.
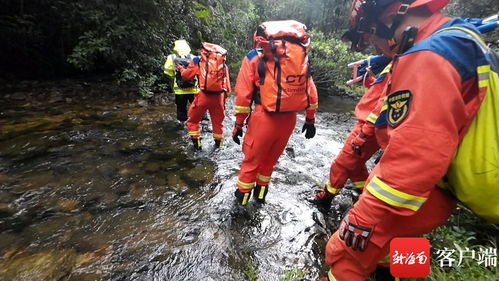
(212, 69)
(283, 67)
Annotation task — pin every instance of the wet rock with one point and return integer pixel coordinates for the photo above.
(137, 192)
(55, 97)
(86, 277)
(290, 152)
(4, 178)
(69, 100)
(46, 265)
(19, 96)
(68, 205)
(142, 103)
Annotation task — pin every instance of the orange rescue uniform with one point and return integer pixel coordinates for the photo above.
(213, 103)
(431, 101)
(267, 133)
(351, 165)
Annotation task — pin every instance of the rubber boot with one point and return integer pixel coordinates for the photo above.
(218, 144)
(196, 142)
(242, 197)
(260, 193)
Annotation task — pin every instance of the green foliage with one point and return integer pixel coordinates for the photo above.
(292, 275)
(250, 274)
(130, 39)
(330, 57)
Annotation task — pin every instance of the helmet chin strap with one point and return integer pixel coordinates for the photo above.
(385, 32)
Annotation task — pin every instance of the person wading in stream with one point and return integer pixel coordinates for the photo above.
(183, 89)
(359, 146)
(214, 84)
(275, 78)
(432, 96)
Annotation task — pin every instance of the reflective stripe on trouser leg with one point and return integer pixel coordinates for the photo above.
(330, 276)
(245, 186)
(331, 189)
(359, 184)
(195, 134)
(262, 180)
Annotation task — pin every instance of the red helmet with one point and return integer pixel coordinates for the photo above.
(365, 16)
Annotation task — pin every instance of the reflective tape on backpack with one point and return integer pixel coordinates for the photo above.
(394, 197)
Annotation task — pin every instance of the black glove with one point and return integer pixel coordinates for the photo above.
(237, 132)
(355, 235)
(309, 127)
(358, 142)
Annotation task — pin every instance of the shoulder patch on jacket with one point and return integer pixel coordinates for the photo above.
(251, 54)
(397, 106)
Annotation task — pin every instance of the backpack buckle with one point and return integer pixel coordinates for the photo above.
(403, 9)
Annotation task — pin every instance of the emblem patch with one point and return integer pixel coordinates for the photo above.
(398, 106)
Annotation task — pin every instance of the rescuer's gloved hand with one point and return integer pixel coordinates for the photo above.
(354, 233)
(324, 197)
(309, 127)
(358, 142)
(179, 68)
(237, 132)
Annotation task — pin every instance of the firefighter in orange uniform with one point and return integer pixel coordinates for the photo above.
(431, 99)
(270, 124)
(359, 145)
(208, 99)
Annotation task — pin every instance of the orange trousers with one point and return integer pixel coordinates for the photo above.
(215, 105)
(349, 265)
(266, 137)
(348, 165)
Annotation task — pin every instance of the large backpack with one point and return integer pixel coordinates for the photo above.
(213, 70)
(181, 82)
(283, 69)
(473, 175)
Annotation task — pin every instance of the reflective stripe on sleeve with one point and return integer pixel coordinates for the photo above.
(314, 106)
(394, 197)
(372, 117)
(218, 136)
(194, 133)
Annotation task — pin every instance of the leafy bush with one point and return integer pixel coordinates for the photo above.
(329, 58)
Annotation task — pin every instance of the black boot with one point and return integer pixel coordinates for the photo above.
(260, 193)
(323, 200)
(242, 197)
(196, 142)
(218, 144)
